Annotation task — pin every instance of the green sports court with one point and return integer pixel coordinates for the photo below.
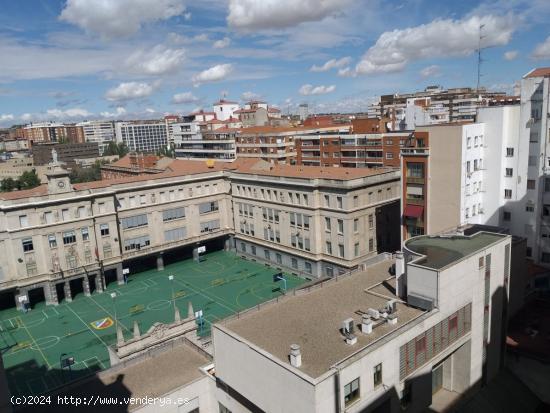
(34, 343)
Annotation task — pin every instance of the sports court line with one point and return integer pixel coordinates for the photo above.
(108, 313)
(210, 298)
(36, 345)
(83, 322)
(94, 358)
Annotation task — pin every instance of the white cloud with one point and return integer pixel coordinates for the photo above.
(542, 50)
(431, 71)
(120, 18)
(331, 64)
(307, 90)
(120, 111)
(247, 96)
(277, 14)
(440, 38)
(213, 74)
(179, 39)
(511, 54)
(184, 97)
(187, 16)
(157, 61)
(4, 117)
(221, 44)
(130, 90)
(68, 113)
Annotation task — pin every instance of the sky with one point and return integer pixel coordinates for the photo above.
(72, 60)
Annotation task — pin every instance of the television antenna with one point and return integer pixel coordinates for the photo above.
(479, 58)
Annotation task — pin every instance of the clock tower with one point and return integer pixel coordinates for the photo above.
(58, 178)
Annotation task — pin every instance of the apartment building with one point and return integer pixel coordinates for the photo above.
(66, 152)
(314, 220)
(356, 345)
(44, 132)
(272, 144)
(59, 236)
(458, 174)
(529, 216)
(434, 105)
(225, 109)
(142, 136)
(100, 132)
(341, 146)
(219, 144)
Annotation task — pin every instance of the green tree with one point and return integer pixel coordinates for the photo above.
(7, 185)
(28, 180)
(113, 148)
(167, 151)
(92, 173)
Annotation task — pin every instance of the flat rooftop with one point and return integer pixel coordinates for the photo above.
(440, 251)
(313, 319)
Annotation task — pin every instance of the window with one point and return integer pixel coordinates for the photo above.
(531, 183)
(171, 214)
(529, 207)
(509, 172)
(356, 225)
(175, 234)
(545, 257)
(377, 375)
(142, 199)
(27, 245)
(506, 216)
(327, 200)
(356, 249)
(65, 214)
(509, 152)
(85, 234)
(81, 212)
(48, 217)
(327, 224)
(341, 250)
(371, 244)
(468, 167)
(207, 207)
(253, 249)
(389, 155)
(69, 237)
(222, 408)
(243, 247)
(415, 170)
(371, 221)
(351, 392)
(307, 266)
(104, 229)
(136, 243)
(340, 226)
(267, 255)
(294, 263)
(210, 226)
(339, 202)
(134, 222)
(475, 165)
(508, 193)
(547, 185)
(52, 241)
(23, 221)
(468, 142)
(328, 247)
(279, 258)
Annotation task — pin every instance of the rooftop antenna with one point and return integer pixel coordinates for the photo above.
(479, 59)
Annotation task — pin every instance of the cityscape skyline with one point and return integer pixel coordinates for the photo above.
(70, 62)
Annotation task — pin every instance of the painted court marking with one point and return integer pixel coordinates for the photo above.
(108, 313)
(45, 342)
(98, 361)
(83, 322)
(34, 341)
(149, 282)
(158, 305)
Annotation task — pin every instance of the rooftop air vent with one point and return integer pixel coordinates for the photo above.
(295, 355)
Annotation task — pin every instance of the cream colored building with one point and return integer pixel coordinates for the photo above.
(58, 236)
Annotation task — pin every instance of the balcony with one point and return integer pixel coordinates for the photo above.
(415, 201)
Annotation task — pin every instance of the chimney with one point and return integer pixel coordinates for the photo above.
(366, 325)
(295, 355)
(392, 319)
(400, 277)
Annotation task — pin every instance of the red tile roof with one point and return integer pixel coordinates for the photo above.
(539, 72)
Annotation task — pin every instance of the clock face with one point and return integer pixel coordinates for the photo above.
(61, 184)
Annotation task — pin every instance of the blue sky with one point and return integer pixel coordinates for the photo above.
(86, 59)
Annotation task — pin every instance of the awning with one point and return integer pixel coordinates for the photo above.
(413, 211)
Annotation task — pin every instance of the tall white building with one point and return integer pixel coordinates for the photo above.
(532, 210)
(142, 136)
(102, 132)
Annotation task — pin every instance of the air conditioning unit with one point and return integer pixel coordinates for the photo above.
(347, 326)
(374, 314)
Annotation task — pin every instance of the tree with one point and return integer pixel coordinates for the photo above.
(92, 173)
(113, 148)
(167, 151)
(28, 180)
(7, 185)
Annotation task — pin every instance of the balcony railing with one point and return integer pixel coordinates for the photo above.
(415, 180)
(415, 201)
